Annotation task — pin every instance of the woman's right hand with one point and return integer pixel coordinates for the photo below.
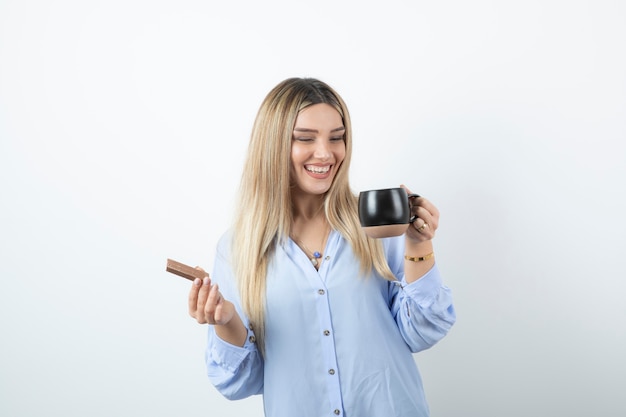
(206, 303)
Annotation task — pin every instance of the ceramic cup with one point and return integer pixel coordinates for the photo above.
(385, 212)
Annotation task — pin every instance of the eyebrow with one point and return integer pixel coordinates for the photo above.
(303, 129)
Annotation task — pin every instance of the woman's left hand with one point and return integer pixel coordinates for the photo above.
(427, 221)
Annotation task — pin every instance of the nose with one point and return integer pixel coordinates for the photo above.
(322, 150)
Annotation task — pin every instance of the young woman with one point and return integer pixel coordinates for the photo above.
(303, 307)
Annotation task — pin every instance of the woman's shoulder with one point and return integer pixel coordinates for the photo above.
(224, 243)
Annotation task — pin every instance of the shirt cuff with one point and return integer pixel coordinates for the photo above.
(425, 290)
(227, 355)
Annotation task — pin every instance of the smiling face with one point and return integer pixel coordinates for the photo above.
(317, 148)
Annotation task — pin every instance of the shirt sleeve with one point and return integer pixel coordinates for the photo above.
(423, 309)
(236, 372)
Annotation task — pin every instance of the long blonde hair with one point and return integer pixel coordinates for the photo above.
(264, 216)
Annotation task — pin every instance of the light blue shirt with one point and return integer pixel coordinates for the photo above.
(337, 343)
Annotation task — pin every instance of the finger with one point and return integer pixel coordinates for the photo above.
(203, 295)
(416, 235)
(427, 217)
(193, 297)
(422, 229)
(427, 231)
(420, 225)
(211, 304)
(427, 205)
(408, 191)
(202, 270)
(219, 307)
(427, 211)
(194, 294)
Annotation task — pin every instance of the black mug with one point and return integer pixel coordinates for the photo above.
(385, 212)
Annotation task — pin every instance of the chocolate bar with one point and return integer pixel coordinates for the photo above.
(183, 270)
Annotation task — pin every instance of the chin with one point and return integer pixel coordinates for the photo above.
(317, 190)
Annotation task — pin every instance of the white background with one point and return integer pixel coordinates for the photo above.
(123, 126)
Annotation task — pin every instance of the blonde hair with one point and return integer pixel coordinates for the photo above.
(264, 216)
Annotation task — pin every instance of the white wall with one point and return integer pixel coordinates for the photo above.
(122, 131)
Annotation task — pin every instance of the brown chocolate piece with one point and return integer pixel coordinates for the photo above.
(183, 270)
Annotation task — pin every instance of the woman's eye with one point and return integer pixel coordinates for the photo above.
(336, 138)
(302, 138)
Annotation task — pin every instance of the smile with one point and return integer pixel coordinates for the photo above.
(317, 169)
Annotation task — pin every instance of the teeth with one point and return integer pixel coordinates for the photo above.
(317, 170)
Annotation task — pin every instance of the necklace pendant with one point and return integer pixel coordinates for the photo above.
(316, 256)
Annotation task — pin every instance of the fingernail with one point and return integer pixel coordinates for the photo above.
(206, 281)
(197, 282)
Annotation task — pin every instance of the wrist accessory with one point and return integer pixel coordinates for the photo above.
(419, 258)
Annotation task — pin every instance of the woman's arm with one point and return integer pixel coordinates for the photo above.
(422, 305)
(208, 305)
(234, 364)
(423, 310)
(419, 256)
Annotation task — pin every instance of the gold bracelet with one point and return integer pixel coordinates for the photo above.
(419, 258)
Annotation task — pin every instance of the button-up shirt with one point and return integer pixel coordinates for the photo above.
(338, 342)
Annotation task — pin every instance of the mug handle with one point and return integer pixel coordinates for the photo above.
(414, 217)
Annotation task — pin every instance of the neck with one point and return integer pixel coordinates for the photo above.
(310, 233)
(307, 207)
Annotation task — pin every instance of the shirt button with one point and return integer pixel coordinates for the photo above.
(337, 412)
(252, 339)
(331, 371)
(321, 292)
(327, 258)
(326, 332)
